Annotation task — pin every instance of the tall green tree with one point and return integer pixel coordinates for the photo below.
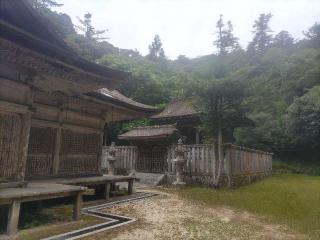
(304, 119)
(226, 41)
(262, 37)
(220, 102)
(156, 51)
(88, 30)
(283, 39)
(313, 35)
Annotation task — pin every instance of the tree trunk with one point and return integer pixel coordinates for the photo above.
(220, 156)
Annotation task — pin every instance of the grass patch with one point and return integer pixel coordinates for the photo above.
(289, 199)
(295, 167)
(31, 219)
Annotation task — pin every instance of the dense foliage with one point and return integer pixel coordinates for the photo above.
(277, 80)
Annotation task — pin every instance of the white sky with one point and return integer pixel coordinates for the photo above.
(187, 27)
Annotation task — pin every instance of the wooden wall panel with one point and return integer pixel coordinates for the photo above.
(40, 152)
(10, 127)
(79, 153)
(82, 119)
(13, 91)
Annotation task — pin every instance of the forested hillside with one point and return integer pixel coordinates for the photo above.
(269, 90)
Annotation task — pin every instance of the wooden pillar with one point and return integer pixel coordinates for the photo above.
(197, 137)
(77, 206)
(130, 186)
(57, 144)
(100, 154)
(13, 217)
(57, 147)
(107, 190)
(23, 149)
(227, 165)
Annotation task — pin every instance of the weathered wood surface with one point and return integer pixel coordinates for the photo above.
(127, 157)
(59, 76)
(38, 191)
(87, 181)
(13, 217)
(10, 128)
(200, 160)
(245, 161)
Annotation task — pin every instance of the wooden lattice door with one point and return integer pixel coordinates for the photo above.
(152, 159)
(10, 127)
(79, 153)
(40, 152)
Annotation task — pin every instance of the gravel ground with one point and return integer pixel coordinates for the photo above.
(170, 217)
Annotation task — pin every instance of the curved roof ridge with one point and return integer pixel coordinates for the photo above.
(156, 126)
(150, 132)
(177, 108)
(115, 95)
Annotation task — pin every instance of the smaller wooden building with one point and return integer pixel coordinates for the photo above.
(153, 143)
(185, 116)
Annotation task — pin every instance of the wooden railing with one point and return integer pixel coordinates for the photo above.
(200, 160)
(246, 161)
(127, 157)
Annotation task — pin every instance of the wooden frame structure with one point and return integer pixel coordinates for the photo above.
(52, 110)
(49, 101)
(152, 144)
(184, 115)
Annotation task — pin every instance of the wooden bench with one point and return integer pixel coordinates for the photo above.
(106, 181)
(36, 191)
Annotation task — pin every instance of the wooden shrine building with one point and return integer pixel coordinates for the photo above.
(52, 111)
(53, 108)
(178, 119)
(152, 143)
(185, 116)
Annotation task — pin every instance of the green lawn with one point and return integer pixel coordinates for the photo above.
(289, 199)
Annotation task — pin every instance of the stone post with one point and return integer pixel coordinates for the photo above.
(112, 157)
(179, 162)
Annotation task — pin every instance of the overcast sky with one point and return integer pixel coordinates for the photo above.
(187, 27)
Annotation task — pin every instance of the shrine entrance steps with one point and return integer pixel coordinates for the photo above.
(149, 179)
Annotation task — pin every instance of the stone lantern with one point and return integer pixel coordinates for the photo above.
(179, 162)
(112, 158)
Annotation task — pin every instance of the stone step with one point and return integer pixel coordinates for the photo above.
(151, 179)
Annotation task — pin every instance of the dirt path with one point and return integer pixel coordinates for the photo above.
(170, 217)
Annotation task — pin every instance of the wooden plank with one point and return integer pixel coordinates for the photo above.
(23, 149)
(57, 147)
(81, 129)
(13, 107)
(193, 167)
(107, 190)
(39, 123)
(130, 186)
(77, 205)
(207, 165)
(168, 159)
(13, 217)
(203, 160)
(213, 162)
